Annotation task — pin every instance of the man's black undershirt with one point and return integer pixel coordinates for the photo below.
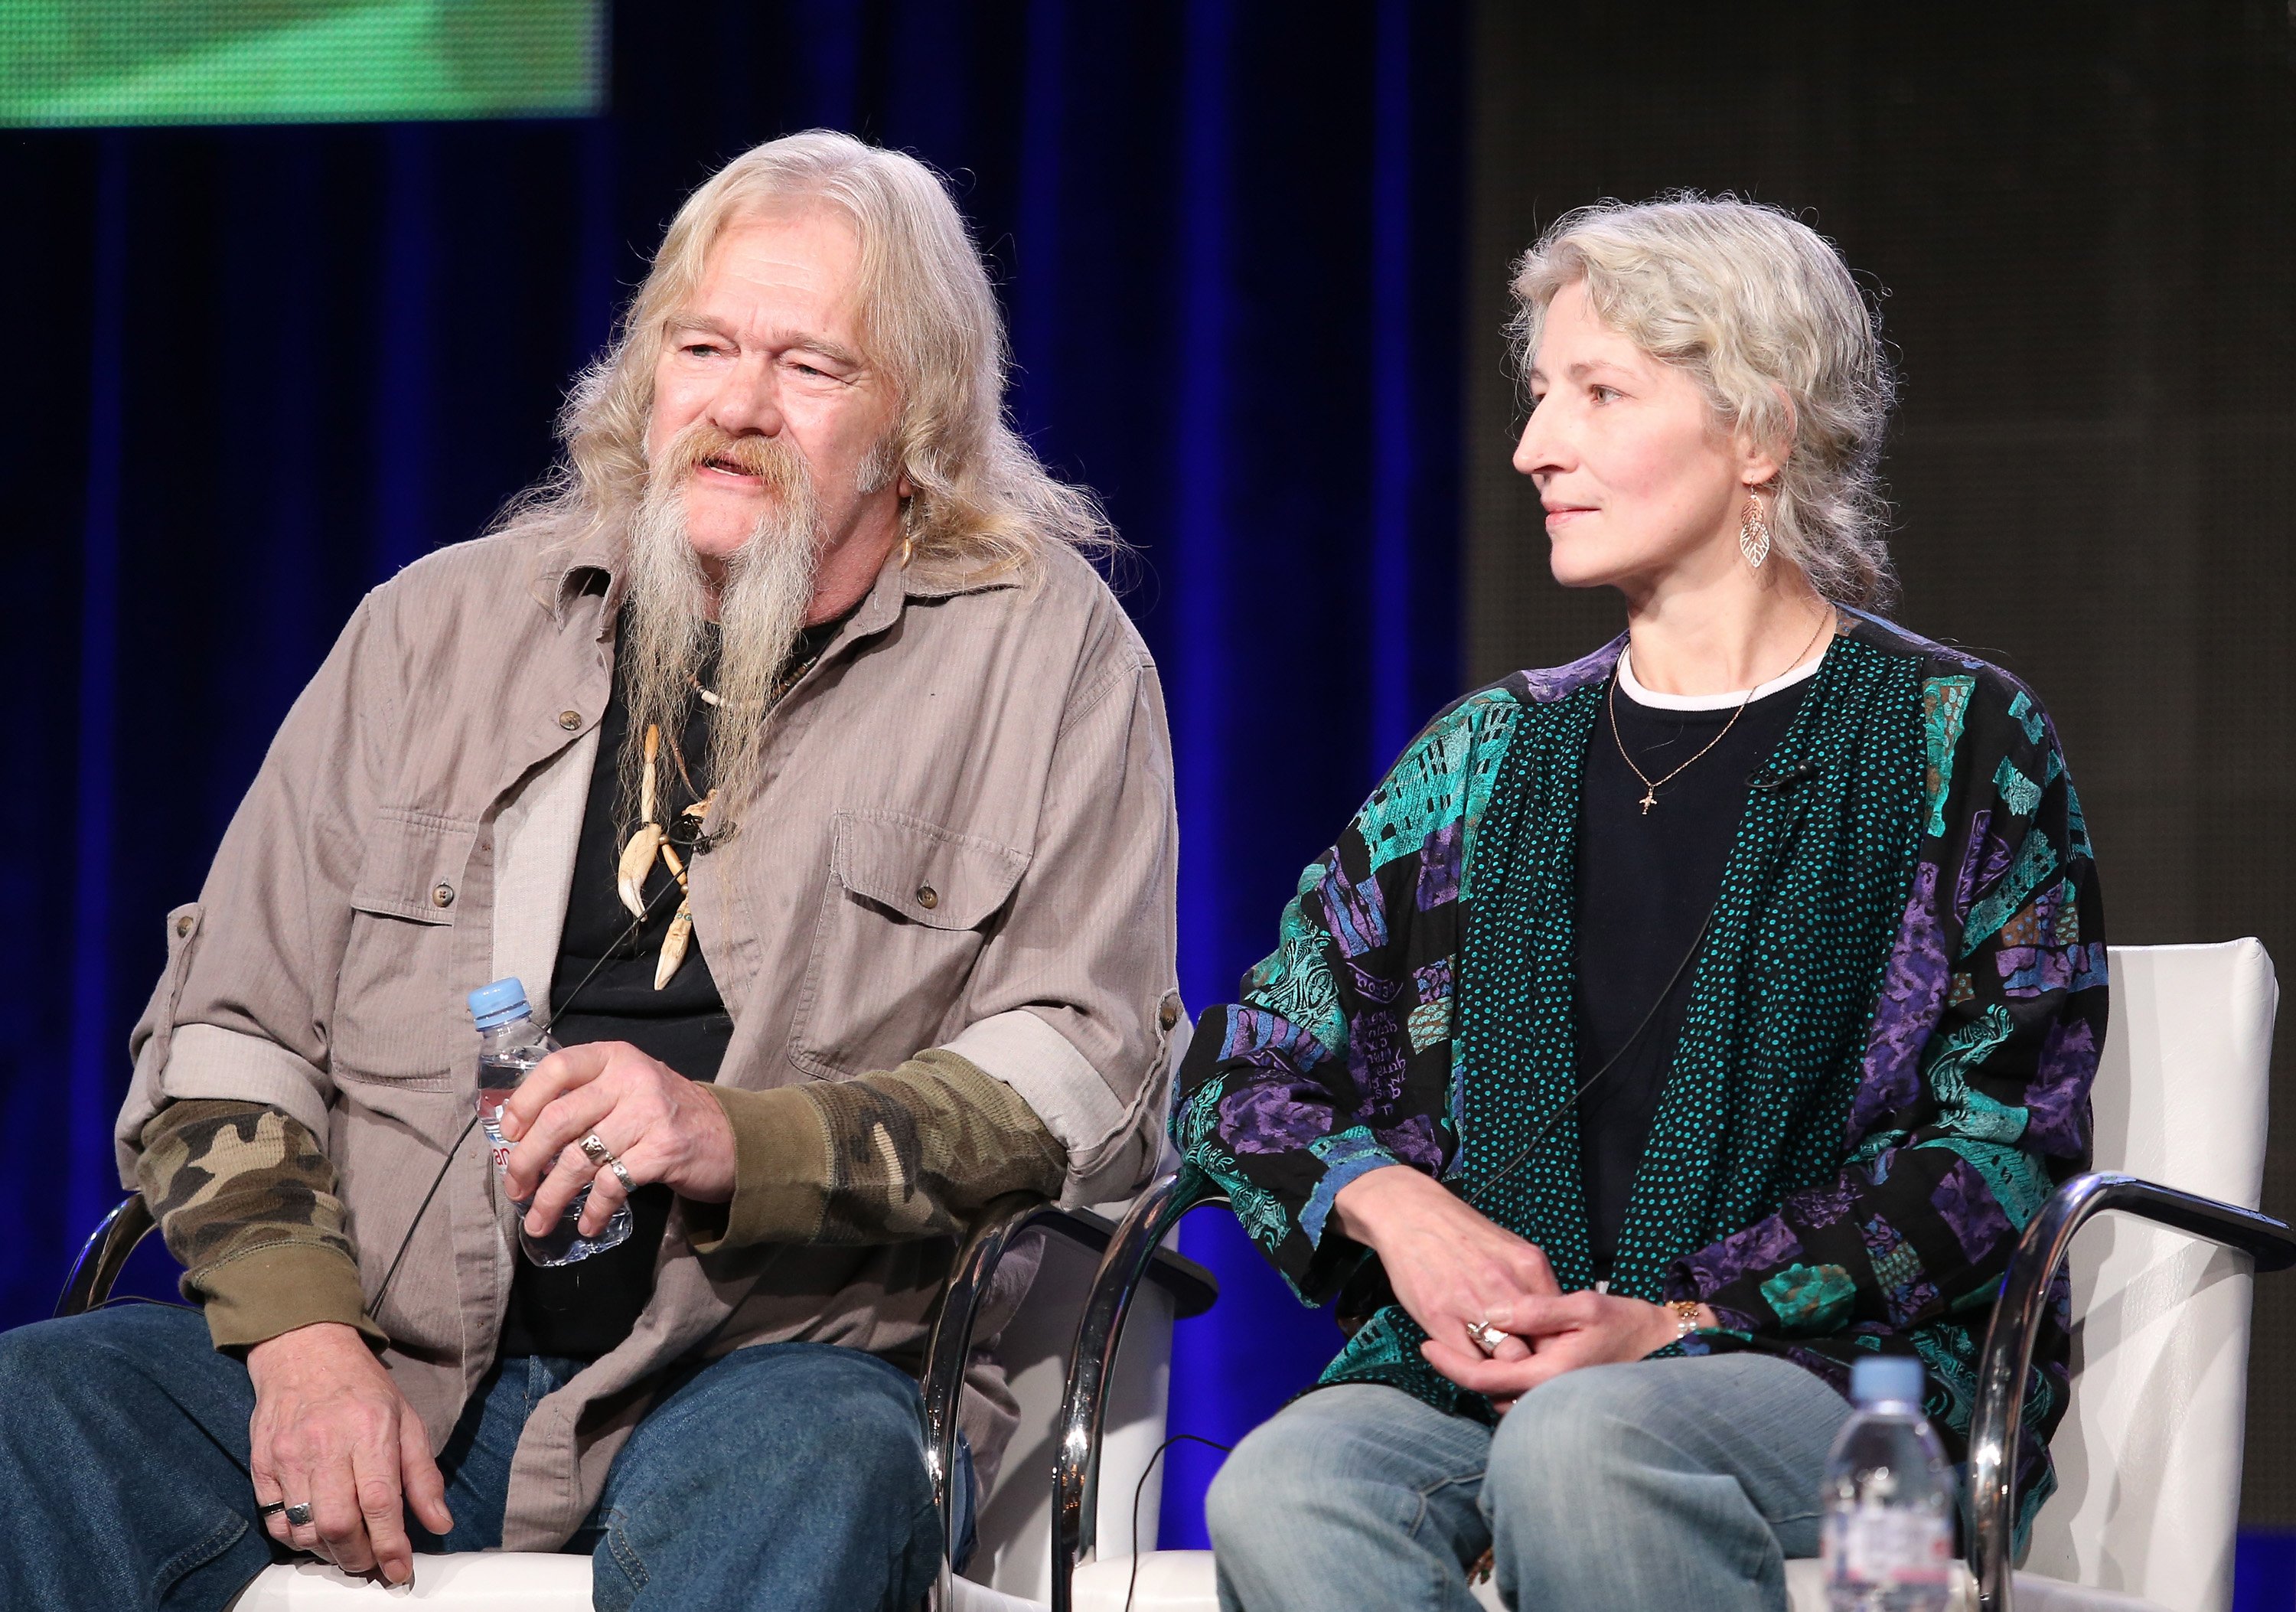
(1646, 882)
(583, 1309)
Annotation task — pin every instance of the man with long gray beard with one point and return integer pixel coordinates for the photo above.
(819, 792)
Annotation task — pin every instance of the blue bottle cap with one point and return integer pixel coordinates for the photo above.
(1879, 1378)
(499, 1003)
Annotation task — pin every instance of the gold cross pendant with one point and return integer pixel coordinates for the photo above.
(1650, 799)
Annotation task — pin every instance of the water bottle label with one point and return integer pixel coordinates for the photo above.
(1888, 1549)
(490, 1106)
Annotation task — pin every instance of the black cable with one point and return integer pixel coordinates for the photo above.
(1141, 1488)
(405, 1242)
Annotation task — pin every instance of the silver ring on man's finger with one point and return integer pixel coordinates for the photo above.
(1487, 1337)
(595, 1150)
(299, 1514)
(622, 1175)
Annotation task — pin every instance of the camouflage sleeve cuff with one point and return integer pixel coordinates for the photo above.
(887, 1156)
(780, 1171)
(264, 1292)
(245, 1199)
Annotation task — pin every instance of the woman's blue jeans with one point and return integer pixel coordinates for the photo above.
(786, 1476)
(1664, 1482)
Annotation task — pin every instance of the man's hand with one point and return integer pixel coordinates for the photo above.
(660, 1125)
(1565, 1333)
(1449, 1265)
(332, 1431)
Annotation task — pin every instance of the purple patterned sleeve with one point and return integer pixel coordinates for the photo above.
(1338, 1059)
(1973, 1098)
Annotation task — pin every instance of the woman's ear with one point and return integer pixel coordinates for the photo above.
(1762, 459)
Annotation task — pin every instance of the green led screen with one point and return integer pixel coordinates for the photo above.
(79, 63)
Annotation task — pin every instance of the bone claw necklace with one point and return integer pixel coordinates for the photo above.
(1651, 787)
(652, 840)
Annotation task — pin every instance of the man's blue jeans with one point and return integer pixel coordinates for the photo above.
(786, 1475)
(1665, 1482)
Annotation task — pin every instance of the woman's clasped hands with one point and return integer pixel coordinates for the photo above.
(1459, 1274)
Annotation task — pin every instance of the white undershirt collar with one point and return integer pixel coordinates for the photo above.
(1640, 696)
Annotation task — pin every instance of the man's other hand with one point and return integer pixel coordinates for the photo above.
(662, 1127)
(332, 1431)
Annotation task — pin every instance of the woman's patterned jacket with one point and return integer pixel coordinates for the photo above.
(1884, 1068)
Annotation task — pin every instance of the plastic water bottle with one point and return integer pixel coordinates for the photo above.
(510, 1045)
(1888, 1543)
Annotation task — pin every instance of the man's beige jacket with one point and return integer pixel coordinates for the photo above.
(963, 837)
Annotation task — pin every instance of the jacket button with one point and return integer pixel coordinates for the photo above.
(1169, 1014)
(928, 896)
(184, 924)
(570, 719)
(442, 895)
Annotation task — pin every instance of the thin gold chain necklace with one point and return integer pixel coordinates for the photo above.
(1651, 787)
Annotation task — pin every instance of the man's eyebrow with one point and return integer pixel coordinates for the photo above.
(699, 322)
(837, 352)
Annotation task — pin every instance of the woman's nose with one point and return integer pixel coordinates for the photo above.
(1534, 450)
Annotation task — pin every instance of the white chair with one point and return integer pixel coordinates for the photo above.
(2148, 1456)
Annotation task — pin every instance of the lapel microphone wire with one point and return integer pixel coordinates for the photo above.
(1141, 1488)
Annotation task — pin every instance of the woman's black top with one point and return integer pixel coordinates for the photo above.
(602, 991)
(1647, 881)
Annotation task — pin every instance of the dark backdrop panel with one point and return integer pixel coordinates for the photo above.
(258, 370)
(2082, 218)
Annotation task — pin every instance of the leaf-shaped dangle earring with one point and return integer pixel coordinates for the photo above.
(1753, 533)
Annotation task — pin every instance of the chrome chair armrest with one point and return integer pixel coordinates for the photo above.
(1134, 1250)
(2009, 1336)
(104, 1255)
(949, 1349)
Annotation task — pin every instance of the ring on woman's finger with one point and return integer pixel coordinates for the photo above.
(1487, 1337)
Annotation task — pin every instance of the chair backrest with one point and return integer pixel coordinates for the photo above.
(1015, 1553)
(1014, 1548)
(2149, 1456)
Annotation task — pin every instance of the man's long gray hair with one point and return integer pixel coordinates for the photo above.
(980, 500)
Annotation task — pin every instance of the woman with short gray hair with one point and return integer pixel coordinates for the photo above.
(1671, 1029)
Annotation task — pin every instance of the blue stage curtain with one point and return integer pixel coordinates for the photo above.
(257, 370)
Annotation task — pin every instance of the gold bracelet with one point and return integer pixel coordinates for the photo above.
(1686, 1317)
